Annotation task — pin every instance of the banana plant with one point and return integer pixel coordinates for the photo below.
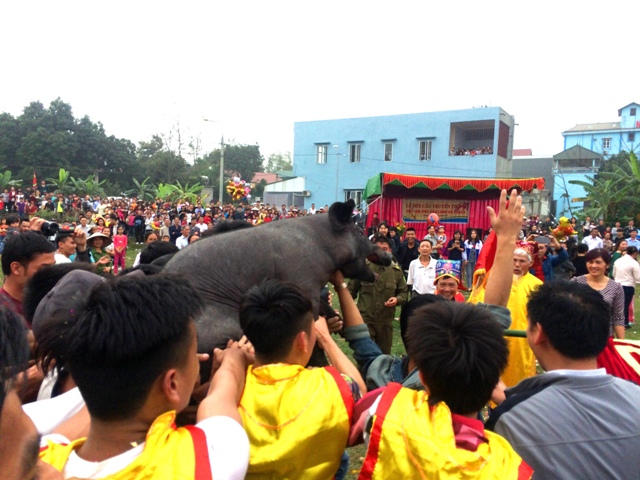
(143, 190)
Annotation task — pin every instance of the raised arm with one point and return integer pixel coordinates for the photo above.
(506, 224)
(336, 356)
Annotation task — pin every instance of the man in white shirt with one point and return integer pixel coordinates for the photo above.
(200, 225)
(593, 240)
(183, 241)
(66, 247)
(422, 271)
(626, 272)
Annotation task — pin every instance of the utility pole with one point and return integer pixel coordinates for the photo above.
(220, 193)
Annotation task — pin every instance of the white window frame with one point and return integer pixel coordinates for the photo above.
(354, 152)
(388, 146)
(424, 150)
(322, 151)
(606, 143)
(356, 195)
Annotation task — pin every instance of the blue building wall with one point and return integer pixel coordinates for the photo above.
(564, 192)
(330, 181)
(622, 135)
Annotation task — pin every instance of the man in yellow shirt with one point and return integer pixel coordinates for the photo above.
(297, 419)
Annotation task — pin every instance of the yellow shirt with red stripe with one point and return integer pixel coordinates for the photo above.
(297, 420)
(410, 439)
(169, 453)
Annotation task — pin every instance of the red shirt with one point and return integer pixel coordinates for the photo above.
(11, 303)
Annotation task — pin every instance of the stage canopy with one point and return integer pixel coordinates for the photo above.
(416, 184)
(460, 203)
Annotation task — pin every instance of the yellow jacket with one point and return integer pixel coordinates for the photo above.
(297, 420)
(410, 439)
(169, 453)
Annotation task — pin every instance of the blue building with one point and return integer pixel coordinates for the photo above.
(337, 157)
(586, 147)
(608, 138)
(575, 163)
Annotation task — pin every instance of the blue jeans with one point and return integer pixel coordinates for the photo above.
(468, 273)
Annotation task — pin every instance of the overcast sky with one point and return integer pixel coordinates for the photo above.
(258, 66)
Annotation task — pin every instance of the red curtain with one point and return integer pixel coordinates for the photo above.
(390, 209)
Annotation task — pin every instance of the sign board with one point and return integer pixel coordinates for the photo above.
(449, 211)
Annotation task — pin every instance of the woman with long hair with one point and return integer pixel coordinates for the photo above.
(455, 247)
(472, 247)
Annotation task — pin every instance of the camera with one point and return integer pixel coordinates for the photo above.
(49, 229)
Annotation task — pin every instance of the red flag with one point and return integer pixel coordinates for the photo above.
(35, 181)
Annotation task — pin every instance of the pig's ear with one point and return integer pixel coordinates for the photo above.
(340, 214)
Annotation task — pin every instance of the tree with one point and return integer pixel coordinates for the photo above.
(62, 183)
(614, 192)
(279, 161)
(144, 190)
(47, 139)
(186, 192)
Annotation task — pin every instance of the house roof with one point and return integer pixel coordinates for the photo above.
(269, 177)
(620, 109)
(592, 127)
(376, 184)
(522, 152)
(577, 152)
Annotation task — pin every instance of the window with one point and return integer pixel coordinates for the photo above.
(356, 195)
(632, 137)
(322, 153)
(388, 152)
(606, 143)
(354, 152)
(632, 112)
(425, 150)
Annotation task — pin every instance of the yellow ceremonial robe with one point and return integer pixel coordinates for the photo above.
(410, 439)
(297, 420)
(522, 362)
(169, 453)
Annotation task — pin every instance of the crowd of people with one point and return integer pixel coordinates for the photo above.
(99, 374)
(471, 151)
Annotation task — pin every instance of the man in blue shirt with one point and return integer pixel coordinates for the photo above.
(632, 241)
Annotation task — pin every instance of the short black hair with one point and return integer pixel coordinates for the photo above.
(23, 248)
(14, 350)
(130, 331)
(156, 250)
(410, 229)
(12, 219)
(271, 315)
(460, 352)
(631, 250)
(383, 239)
(582, 248)
(580, 334)
(411, 306)
(60, 236)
